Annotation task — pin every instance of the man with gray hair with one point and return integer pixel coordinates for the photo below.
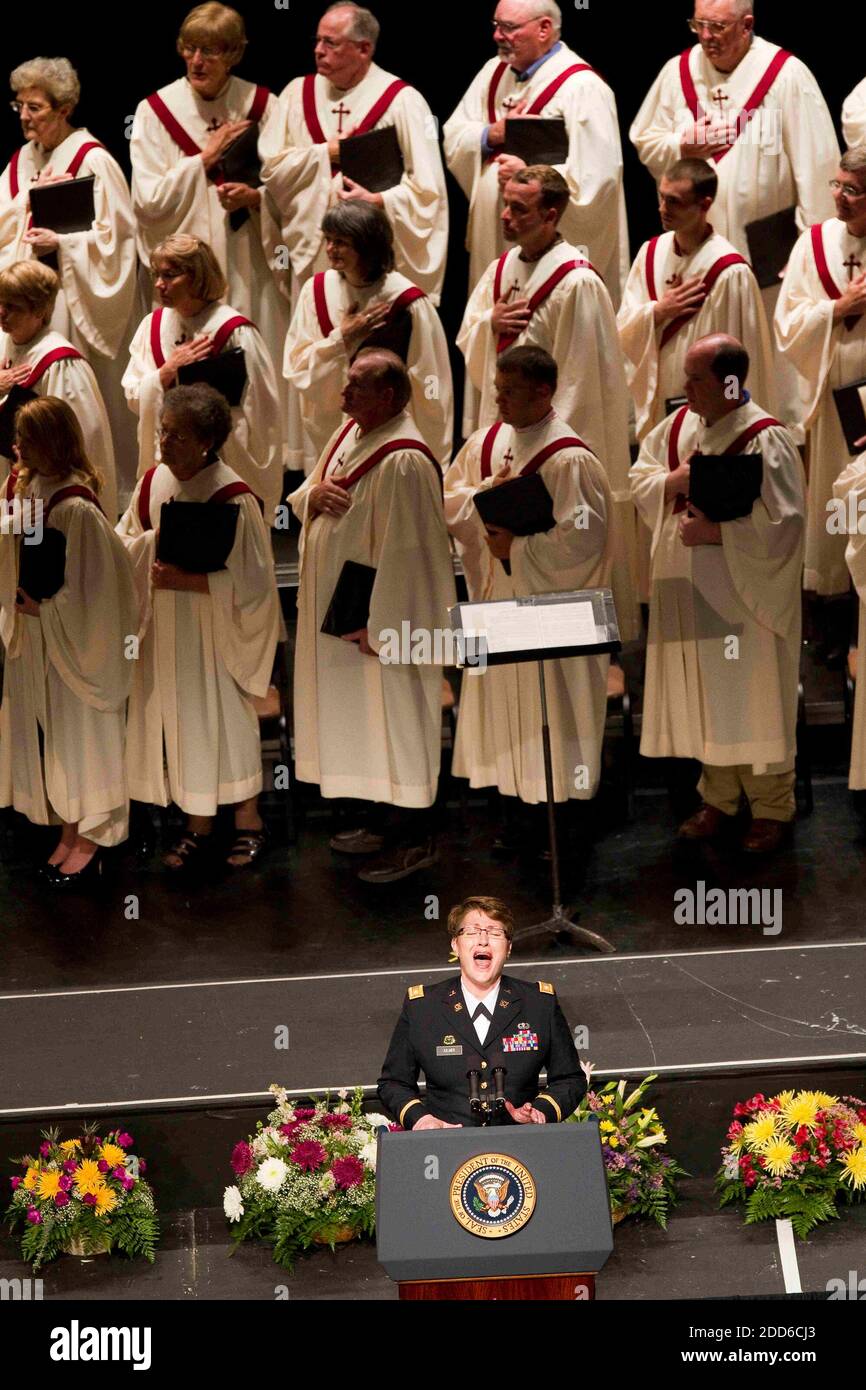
(536, 74)
(757, 114)
(350, 95)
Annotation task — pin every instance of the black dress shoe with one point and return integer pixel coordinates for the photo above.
(401, 863)
(84, 878)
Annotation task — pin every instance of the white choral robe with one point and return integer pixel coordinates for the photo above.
(253, 449)
(854, 117)
(316, 362)
(201, 660)
(499, 728)
(97, 268)
(850, 488)
(656, 368)
(300, 180)
(172, 193)
(596, 214)
(73, 380)
(706, 699)
(785, 156)
(826, 356)
(576, 324)
(366, 728)
(67, 673)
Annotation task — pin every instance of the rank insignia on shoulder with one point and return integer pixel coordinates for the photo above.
(416, 991)
(505, 1003)
(458, 1008)
(545, 987)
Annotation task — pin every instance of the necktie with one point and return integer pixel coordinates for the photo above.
(482, 1019)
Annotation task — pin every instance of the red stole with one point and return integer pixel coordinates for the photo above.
(220, 337)
(712, 275)
(766, 422)
(568, 441)
(55, 355)
(73, 490)
(222, 494)
(182, 138)
(755, 101)
(540, 101)
(72, 168)
(370, 121)
(409, 296)
(541, 293)
(833, 290)
(376, 457)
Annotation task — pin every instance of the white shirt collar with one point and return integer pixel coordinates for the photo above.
(489, 1000)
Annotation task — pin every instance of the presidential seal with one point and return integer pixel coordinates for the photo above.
(492, 1195)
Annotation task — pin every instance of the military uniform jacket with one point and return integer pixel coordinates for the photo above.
(435, 1034)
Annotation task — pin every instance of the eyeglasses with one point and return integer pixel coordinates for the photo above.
(847, 190)
(472, 933)
(714, 27)
(31, 107)
(509, 29)
(189, 50)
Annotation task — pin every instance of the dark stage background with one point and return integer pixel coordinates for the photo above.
(123, 52)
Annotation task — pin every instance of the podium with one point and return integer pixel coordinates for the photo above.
(497, 1213)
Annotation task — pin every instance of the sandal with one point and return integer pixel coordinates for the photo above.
(249, 843)
(188, 849)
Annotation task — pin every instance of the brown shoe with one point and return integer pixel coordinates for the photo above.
(705, 824)
(359, 842)
(401, 863)
(766, 836)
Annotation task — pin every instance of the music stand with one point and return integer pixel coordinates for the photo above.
(539, 628)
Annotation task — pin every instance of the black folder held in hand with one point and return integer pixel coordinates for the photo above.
(349, 609)
(522, 506)
(241, 164)
(851, 405)
(42, 567)
(63, 207)
(226, 373)
(771, 241)
(197, 536)
(726, 487)
(537, 139)
(18, 396)
(374, 160)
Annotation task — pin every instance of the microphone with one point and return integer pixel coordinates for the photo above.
(474, 1077)
(499, 1074)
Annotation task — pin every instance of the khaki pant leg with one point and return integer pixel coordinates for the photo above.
(722, 788)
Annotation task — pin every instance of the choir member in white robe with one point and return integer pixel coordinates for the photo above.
(207, 641)
(821, 327)
(368, 707)
(179, 137)
(96, 267)
(499, 730)
(758, 114)
(849, 490)
(351, 95)
(362, 301)
(543, 293)
(854, 117)
(67, 669)
(723, 654)
(35, 357)
(192, 325)
(536, 74)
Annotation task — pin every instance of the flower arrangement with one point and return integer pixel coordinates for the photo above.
(794, 1157)
(83, 1196)
(640, 1178)
(306, 1177)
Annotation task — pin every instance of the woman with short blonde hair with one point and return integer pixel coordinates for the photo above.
(191, 256)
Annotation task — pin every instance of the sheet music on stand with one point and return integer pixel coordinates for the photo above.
(540, 628)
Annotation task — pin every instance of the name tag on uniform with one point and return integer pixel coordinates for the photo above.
(450, 1051)
(523, 1041)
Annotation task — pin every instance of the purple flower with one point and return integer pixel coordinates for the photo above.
(656, 1181)
(128, 1183)
(303, 1112)
(119, 1172)
(632, 1194)
(241, 1159)
(33, 1215)
(348, 1172)
(142, 1166)
(309, 1156)
(102, 1166)
(336, 1121)
(125, 1140)
(61, 1199)
(45, 1149)
(89, 1199)
(16, 1182)
(66, 1183)
(70, 1165)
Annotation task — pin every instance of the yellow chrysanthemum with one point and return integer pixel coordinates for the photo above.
(70, 1145)
(784, 1098)
(855, 1168)
(613, 1142)
(802, 1110)
(88, 1177)
(760, 1132)
(112, 1154)
(777, 1157)
(859, 1132)
(737, 1144)
(105, 1201)
(823, 1101)
(31, 1178)
(49, 1184)
(607, 1125)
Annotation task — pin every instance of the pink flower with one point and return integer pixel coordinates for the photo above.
(241, 1159)
(16, 1182)
(118, 1173)
(33, 1215)
(291, 1129)
(102, 1166)
(348, 1172)
(61, 1199)
(66, 1183)
(70, 1165)
(395, 1129)
(45, 1149)
(89, 1199)
(142, 1166)
(124, 1140)
(128, 1183)
(303, 1114)
(336, 1121)
(309, 1155)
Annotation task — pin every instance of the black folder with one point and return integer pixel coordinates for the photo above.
(226, 373)
(771, 241)
(851, 405)
(42, 566)
(374, 160)
(395, 335)
(537, 139)
(522, 506)
(63, 207)
(349, 609)
(197, 536)
(726, 487)
(241, 164)
(18, 396)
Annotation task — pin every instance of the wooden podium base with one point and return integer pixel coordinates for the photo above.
(563, 1288)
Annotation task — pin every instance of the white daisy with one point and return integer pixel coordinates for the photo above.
(272, 1174)
(232, 1204)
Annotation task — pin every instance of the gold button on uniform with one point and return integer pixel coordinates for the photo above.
(483, 1066)
(484, 1085)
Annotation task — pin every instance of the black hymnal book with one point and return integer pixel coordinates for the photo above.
(522, 506)
(771, 241)
(675, 403)
(226, 373)
(851, 405)
(374, 160)
(18, 396)
(241, 164)
(726, 487)
(42, 567)
(349, 609)
(63, 207)
(395, 335)
(537, 139)
(197, 536)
